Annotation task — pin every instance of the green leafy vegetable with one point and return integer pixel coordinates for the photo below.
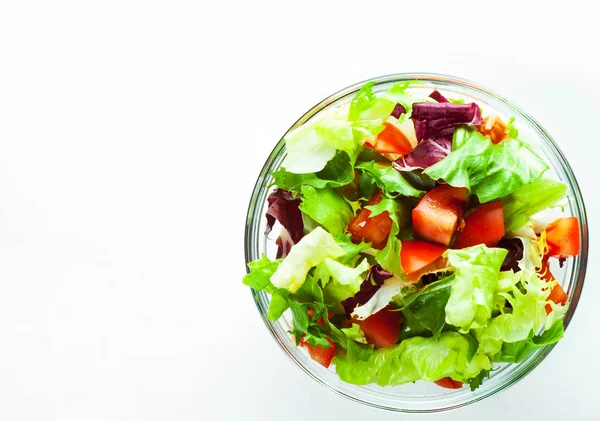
(260, 274)
(472, 297)
(391, 182)
(341, 274)
(311, 250)
(529, 199)
(355, 333)
(278, 304)
(415, 359)
(338, 172)
(327, 208)
(487, 170)
(515, 352)
(477, 381)
(511, 130)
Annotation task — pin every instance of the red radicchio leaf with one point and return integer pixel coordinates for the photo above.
(438, 97)
(368, 288)
(438, 119)
(398, 111)
(515, 253)
(283, 207)
(427, 153)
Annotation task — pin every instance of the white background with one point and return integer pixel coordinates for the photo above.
(131, 134)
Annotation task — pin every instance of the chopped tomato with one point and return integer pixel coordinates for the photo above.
(449, 383)
(557, 294)
(321, 355)
(485, 225)
(417, 255)
(436, 216)
(392, 140)
(374, 230)
(562, 237)
(382, 328)
(494, 128)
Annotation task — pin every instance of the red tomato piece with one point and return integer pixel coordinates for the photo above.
(562, 237)
(382, 328)
(374, 230)
(418, 254)
(485, 225)
(449, 383)
(557, 294)
(436, 216)
(392, 140)
(321, 355)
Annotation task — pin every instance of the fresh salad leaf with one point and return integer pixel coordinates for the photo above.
(477, 381)
(340, 273)
(389, 180)
(381, 299)
(515, 352)
(476, 274)
(428, 305)
(338, 172)
(528, 300)
(260, 274)
(309, 252)
(310, 146)
(511, 130)
(283, 207)
(367, 289)
(327, 208)
(415, 359)
(529, 199)
(278, 304)
(438, 119)
(355, 333)
(514, 247)
(425, 154)
(487, 170)
(351, 250)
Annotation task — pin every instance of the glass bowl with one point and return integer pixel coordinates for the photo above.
(422, 396)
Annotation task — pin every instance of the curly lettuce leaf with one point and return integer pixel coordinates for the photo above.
(414, 359)
(390, 181)
(339, 273)
(477, 270)
(516, 352)
(529, 199)
(327, 208)
(487, 170)
(309, 252)
(260, 274)
(338, 172)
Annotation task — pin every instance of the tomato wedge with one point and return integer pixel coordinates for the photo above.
(449, 383)
(321, 355)
(392, 140)
(382, 328)
(436, 216)
(494, 128)
(418, 254)
(374, 230)
(485, 225)
(562, 237)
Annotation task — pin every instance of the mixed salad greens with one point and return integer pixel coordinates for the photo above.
(410, 241)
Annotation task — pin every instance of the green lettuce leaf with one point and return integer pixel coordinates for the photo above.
(260, 274)
(327, 208)
(414, 359)
(355, 333)
(515, 352)
(529, 199)
(391, 182)
(476, 275)
(311, 250)
(487, 170)
(428, 305)
(528, 300)
(340, 273)
(338, 172)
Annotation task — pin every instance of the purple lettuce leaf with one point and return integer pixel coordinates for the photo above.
(515, 253)
(438, 96)
(425, 154)
(374, 280)
(283, 207)
(438, 119)
(398, 111)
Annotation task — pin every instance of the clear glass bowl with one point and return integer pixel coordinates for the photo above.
(421, 396)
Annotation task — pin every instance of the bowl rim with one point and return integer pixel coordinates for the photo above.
(578, 274)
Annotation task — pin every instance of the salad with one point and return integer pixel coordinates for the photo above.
(413, 241)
